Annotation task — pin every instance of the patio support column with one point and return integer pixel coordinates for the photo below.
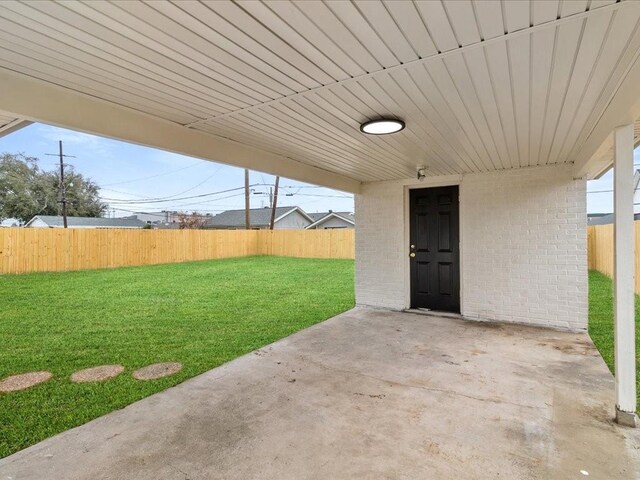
(624, 308)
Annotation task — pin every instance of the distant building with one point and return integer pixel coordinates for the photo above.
(10, 222)
(331, 219)
(150, 218)
(286, 218)
(56, 221)
(164, 219)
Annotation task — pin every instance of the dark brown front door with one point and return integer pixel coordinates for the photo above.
(435, 248)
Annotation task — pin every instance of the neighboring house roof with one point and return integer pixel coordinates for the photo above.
(96, 222)
(260, 217)
(318, 215)
(320, 218)
(605, 218)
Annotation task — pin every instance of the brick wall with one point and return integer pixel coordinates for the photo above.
(380, 246)
(523, 246)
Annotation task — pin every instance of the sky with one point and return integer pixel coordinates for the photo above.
(131, 177)
(141, 179)
(600, 194)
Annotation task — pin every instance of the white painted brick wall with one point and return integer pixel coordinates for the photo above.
(523, 246)
(380, 246)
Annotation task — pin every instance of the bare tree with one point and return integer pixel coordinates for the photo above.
(192, 220)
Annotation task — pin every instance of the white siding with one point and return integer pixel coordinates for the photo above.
(292, 221)
(523, 246)
(37, 223)
(333, 222)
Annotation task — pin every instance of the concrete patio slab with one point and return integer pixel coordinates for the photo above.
(368, 394)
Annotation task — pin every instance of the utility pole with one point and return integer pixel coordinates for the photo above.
(63, 190)
(247, 205)
(275, 203)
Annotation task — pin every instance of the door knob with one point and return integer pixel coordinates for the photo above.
(412, 254)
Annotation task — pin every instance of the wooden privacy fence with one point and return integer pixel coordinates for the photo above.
(24, 250)
(600, 250)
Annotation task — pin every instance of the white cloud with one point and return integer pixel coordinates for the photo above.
(55, 133)
(94, 143)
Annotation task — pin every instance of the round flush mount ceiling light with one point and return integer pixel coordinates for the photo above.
(382, 126)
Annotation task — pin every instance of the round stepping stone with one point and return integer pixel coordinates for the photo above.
(97, 374)
(15, 383)
(157, 370)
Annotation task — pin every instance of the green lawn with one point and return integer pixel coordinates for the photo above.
(601, 319)
(201, 314)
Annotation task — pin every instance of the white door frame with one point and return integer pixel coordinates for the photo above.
(445, 181)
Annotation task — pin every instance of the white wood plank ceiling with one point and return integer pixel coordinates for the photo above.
(9, 123)
(6, 119)
(482, 85)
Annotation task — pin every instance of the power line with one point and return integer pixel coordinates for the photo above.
(303, 194)
(195, 203)
(301, 186)
(172, 197)
(214, 200)
(222, 198)
(162, 213)
(316, 195)
(210, 201)
(200, 162)
(199, 184)
(141, 202)
(175, 194)
(120, 191)
(169, 199)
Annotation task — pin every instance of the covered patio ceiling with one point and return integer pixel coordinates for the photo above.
(9, 124)
(283, 86)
